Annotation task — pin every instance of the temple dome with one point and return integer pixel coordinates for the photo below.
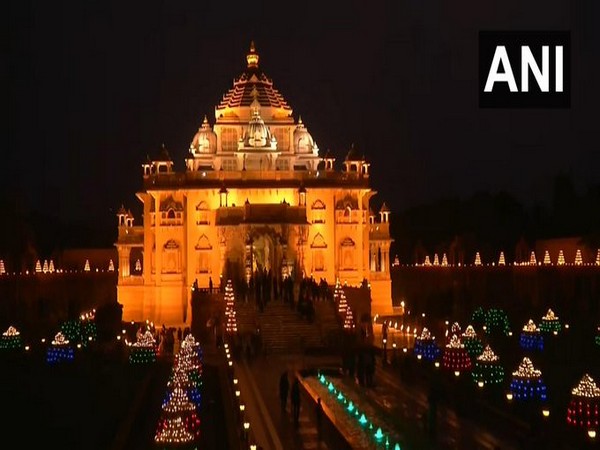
(258, 135)
(205, 140)
(303, 141)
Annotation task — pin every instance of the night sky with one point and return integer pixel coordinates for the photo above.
(94, 86)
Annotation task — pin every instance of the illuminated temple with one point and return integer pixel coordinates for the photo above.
(256, 194)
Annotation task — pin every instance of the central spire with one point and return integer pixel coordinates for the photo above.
(252, 57)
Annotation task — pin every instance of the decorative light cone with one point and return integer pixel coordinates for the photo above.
(531, 338)
(527, 383)
(455, 357)
(11, 339)
(427, 261)
(561, 258)
(477, 259)
(550, 323)
(426, 346)
(231, 324)
(585, 402)
(547, 260)
(496, 321)
(501, 259)
(436, 260)
(488, 369)
(143, 351)
(349, 319)
(342, 305)
(473, 345)
(60, 350)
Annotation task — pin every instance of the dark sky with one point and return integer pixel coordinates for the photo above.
(93, 86)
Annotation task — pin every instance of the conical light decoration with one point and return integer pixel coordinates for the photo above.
(349, 319)
(547, 260)
(550, 323)
(487, 368)
(426, 346)
(531, 338)
(532, 260)
(444, 260)
(585, 402)
(501, 260)
(527, 383)
(231, 325)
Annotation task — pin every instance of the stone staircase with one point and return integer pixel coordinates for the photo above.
(247, 317)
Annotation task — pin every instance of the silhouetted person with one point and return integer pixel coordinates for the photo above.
(319, 416)
(210, 285)
(295, 397)
(284, 387)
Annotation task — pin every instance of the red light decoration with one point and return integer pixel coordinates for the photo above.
(455, 356)
(585, 401)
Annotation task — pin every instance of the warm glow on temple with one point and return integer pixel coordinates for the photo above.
(256, 194)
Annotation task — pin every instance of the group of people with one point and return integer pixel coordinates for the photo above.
(360, 365)
(294, 394)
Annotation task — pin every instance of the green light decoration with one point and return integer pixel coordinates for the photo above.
(471, 342)
(496, 321)
(478, 317)
(397, 446)
(550, 323)
(350, 406)
(330, 388)
(387, 441)
(379, 434)
(363, 419)
(71, 329)
(487, 368)
(340, 396)
(356, 413)
(371, 426)
(144, 350)
(11, 339)
(322, 379)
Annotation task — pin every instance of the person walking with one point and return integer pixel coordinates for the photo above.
(319, 416)
(284, 387)
(295, 394)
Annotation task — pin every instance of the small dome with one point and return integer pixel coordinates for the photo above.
(205, 140)
(303, 141)
(258, 134)
(354, 154)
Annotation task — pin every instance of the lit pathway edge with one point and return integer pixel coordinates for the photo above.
(264, 429)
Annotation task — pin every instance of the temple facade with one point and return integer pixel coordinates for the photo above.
(256, 194)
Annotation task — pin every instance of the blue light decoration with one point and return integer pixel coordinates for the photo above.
(527, 383)
(426, 346)
(350, 406)
(531, 338)
(363, 420)
(60, 351)
(379, 434)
